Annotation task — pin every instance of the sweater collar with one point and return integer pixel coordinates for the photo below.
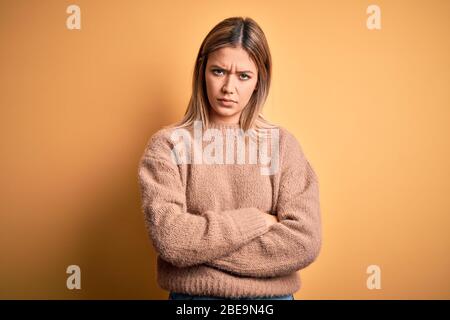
(221, 125)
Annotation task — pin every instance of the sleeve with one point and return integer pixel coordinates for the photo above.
(295, 241)
(181, 238)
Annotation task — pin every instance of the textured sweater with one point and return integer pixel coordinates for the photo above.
(205, 218)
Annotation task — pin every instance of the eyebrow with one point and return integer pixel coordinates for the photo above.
(217, 66)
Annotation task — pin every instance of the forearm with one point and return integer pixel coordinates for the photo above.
(190, 239)
(183, 238)
(289, 245)
(284, 249)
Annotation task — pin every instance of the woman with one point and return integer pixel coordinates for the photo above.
(228, 226)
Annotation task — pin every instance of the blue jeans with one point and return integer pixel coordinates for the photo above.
(184, 296)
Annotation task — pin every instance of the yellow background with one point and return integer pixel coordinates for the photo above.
(369, 107)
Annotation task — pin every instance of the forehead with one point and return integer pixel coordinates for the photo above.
(229, 57)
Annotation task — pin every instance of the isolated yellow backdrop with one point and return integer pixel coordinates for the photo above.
(369, 107)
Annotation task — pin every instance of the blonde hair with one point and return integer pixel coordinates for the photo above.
(232, 32)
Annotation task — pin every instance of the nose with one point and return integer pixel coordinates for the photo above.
(228, 86)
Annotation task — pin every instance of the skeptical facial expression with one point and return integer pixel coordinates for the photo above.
(231, 77)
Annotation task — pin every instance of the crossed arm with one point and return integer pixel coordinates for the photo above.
(292, 243)
(240, 241)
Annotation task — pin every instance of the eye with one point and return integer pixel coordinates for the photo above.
(215, 71)
(245, 75)
(219, 72)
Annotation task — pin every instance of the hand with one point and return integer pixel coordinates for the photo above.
(270, 219)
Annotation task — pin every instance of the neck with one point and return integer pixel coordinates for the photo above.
(218, 125)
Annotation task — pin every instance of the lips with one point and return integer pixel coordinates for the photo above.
(227, 100)
(226, 103)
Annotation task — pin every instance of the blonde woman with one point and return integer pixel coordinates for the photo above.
(228, 222)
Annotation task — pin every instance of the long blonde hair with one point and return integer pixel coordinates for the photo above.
(232, 32)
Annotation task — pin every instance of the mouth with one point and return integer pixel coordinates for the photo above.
(226, 103)
(227, 100)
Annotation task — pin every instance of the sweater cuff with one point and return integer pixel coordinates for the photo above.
(250, 222)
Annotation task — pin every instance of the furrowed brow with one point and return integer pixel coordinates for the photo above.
(220, 67)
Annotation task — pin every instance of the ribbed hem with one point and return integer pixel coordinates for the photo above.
(250, 222)
(205, 280)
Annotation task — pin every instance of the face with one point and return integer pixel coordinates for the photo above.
(230, 74)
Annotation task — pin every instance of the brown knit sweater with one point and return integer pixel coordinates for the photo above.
(205, 220)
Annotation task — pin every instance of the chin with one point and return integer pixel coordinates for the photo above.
(225, 111)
